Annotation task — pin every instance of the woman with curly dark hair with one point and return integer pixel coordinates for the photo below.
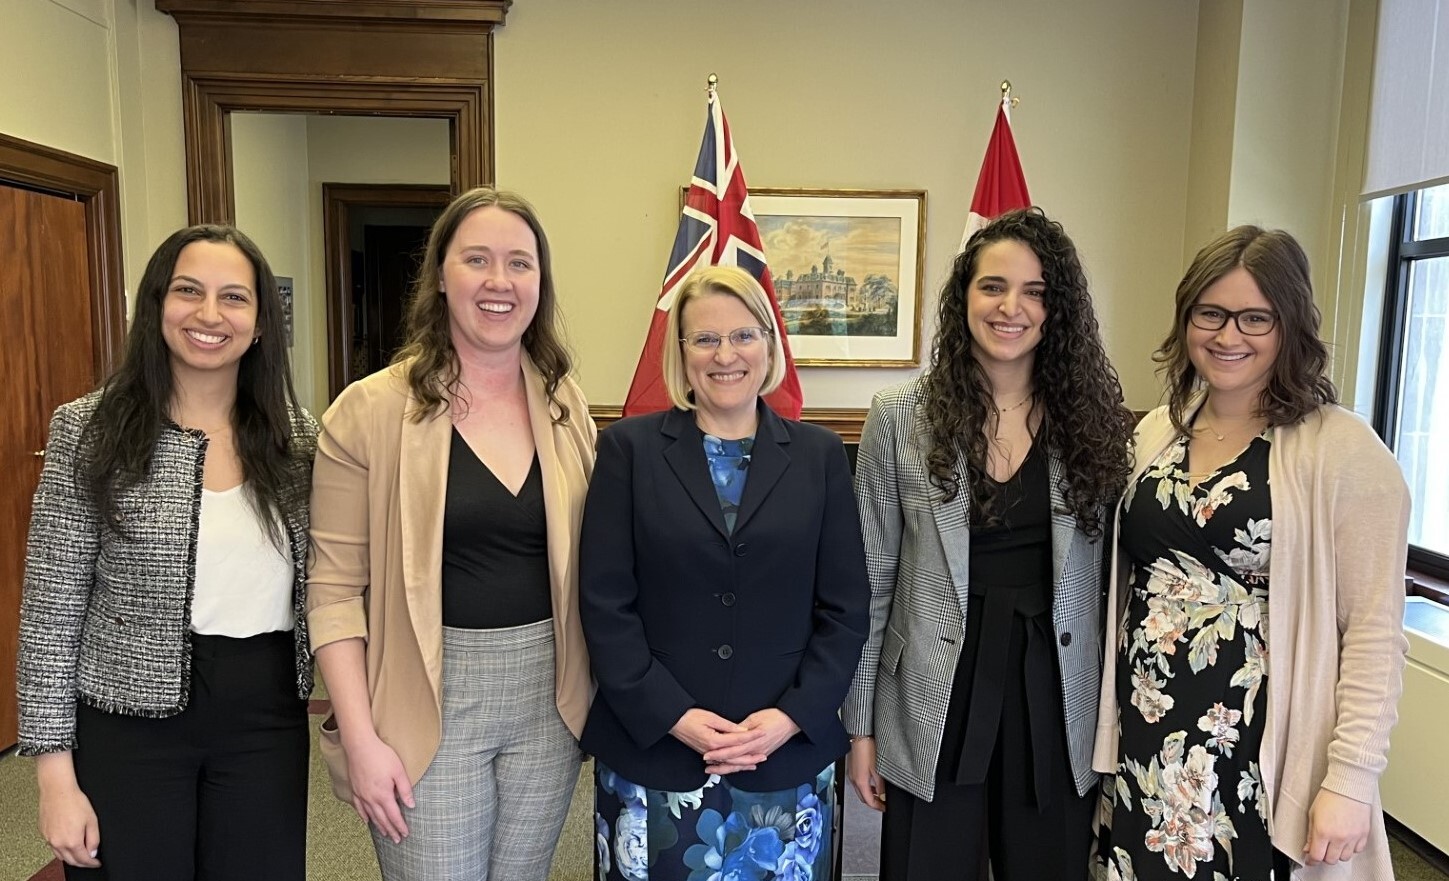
(983, 486)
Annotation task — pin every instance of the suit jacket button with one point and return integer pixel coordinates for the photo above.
(120, 622)
(728, 599)
(740, 549)
(724, 652)
(1067, 638)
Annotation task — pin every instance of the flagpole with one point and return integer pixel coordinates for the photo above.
(710, 85)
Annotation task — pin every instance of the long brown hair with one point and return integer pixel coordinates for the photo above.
(1085, 424)
(428, 356)
(1298, 384)
(121, 436)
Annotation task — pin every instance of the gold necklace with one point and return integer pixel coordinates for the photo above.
(1212, 430)
(1017, 405)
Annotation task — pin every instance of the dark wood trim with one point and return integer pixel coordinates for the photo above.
(207, 106)
(419, 58)
(95, 185)
(844, 421)
(478, 12)
(337, 201)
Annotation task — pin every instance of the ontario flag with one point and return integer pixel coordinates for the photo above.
(1001, 187)
(716, 228)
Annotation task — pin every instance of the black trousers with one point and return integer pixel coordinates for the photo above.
(1025, 817)
(951, 837)
(216, 793)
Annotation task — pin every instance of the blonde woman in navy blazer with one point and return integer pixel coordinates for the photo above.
(724, 626)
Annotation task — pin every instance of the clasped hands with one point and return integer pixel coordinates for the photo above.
(728, 746)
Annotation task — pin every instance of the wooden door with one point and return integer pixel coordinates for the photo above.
(391, 258)
(47, 358)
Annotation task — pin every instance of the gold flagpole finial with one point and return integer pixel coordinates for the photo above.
(1006, 98)
(711, 83)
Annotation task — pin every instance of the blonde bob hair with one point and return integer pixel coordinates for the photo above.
(723, 281)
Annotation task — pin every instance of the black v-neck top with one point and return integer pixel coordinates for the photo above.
(495, 546)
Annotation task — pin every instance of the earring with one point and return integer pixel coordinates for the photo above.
(256, 339)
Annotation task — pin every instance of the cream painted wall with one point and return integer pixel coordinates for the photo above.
(1290, 73)
(101, 79)
(1214, 106)
(853, 94)
(360, 150)
(150, 146)
(56, 64)
(269, 162)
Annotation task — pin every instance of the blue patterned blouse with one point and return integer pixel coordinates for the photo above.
(729, 465)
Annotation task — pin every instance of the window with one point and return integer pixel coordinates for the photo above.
(1411, 410)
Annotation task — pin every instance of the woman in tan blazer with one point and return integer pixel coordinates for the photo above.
(443, 605)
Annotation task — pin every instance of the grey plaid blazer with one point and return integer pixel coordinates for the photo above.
(917, 551)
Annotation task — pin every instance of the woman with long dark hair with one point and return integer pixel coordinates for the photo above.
(164, 664)
(444, 604)
(1257, 596)
(983, 486)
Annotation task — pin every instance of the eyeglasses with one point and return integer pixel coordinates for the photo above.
(1250, 322)
(740, 338)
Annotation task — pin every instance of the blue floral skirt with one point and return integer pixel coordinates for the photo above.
(715, 833)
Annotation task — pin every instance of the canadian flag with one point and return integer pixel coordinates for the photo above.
(1001, 186)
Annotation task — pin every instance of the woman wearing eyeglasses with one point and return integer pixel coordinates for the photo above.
(724, 602)
(1257, 595)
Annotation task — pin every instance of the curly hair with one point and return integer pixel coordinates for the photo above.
(428, 358)
(135, 400)
(1298, 384)
(1085, 421)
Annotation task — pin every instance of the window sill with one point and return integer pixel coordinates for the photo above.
(1422, 585)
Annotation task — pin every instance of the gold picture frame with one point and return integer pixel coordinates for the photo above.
(848, 268)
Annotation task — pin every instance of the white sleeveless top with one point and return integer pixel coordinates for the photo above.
(243, 583)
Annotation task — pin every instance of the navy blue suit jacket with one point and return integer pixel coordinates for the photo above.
(679, 614)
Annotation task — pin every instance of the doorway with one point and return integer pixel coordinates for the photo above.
(373, 239)
(61, 306)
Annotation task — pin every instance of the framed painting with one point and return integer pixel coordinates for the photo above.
(847, 267)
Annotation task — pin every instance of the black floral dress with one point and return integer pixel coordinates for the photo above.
(1192, 672)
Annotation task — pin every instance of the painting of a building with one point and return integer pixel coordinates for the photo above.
(829, 287)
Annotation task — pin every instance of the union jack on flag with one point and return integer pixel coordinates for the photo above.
(716, 228)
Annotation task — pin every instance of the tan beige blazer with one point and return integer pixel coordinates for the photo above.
(376, 562)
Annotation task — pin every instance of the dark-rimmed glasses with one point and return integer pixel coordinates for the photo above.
(1250, 322)
(740, 338)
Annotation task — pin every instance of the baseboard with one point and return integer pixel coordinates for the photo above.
(1421, 848)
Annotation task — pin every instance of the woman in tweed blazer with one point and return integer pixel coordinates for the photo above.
(163, 665)
(982, 486)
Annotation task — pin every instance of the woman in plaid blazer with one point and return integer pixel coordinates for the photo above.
(982, 486)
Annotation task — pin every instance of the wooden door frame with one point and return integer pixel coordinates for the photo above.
(95, 185)
(421, 58)
(338, 200)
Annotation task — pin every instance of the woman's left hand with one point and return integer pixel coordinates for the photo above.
(1338, 828)
(768, 729)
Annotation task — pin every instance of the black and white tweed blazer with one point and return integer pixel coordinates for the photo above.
(917, 554)
(106, 616)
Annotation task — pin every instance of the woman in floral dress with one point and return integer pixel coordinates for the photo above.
(724, 599)
(1259, 599)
